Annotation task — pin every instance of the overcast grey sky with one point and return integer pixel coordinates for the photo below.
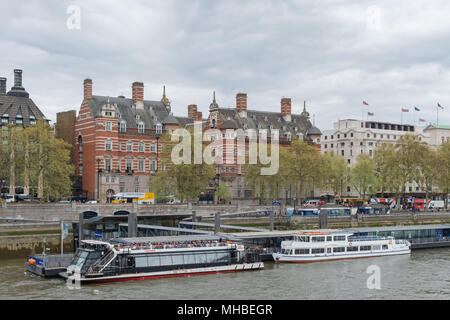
(333, 54)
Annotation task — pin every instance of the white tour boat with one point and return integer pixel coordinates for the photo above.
(328, 246)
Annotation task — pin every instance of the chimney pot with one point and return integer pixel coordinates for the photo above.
(18, 78)
(241, 102)
(286, 104)
(2, 85)
(87, 86)
(192, 111)
(137, 91)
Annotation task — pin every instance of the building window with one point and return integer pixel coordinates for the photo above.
(152, 165)
(141, 147)
(123, 126)
(107, 165)
(129, 146)
(342, 152)
(129, 165)
(158, 128)
(108, 144)
(141, 165)
(152, 147)
(141, 127)
(108, 126)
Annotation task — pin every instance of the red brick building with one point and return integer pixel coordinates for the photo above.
(117, 141)
(227, 120)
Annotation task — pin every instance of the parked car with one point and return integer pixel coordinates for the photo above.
(313, 203)
(9, 198)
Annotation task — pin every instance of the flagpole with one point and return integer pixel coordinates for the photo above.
(62, 239)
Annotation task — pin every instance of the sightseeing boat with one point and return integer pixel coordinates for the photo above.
(158, 257)
(328, 246)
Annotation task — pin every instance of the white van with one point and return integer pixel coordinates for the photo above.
(9, 198)
(436, 205)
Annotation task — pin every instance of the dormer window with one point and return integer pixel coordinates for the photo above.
(141, 128)
(32, 120)
(138, 117)
(19, 119)
(5, 118)
(158, 128)
(123, 126)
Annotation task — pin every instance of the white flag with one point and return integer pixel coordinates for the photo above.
(64, 230)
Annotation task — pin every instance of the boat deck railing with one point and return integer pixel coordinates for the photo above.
(355, 239)
(172, 245)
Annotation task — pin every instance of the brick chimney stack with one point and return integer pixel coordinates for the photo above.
(192, 111)
(286, 108)
(18, 78)
(138, 91)
(199, 117)
(2, 85)
(241, 102)
(87, 85)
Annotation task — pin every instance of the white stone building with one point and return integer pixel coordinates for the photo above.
(349, 138)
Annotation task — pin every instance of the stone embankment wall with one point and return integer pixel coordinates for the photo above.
(70, 212)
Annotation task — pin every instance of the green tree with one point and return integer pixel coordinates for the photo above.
(185, 181)
(223, 192)
(336, 173)
(443, 180)
(363, 175)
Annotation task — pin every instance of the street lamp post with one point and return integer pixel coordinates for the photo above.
(158, 135)
(217, 183)
(98, 180)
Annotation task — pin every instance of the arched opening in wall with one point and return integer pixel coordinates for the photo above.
(89, 214)
(110, 195)
(121, 213)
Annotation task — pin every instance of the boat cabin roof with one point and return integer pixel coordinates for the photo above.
(322, 233)
(168, 239)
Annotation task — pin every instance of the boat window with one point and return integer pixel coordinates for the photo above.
(201, 258)
(317, 239)
(339, 249)
(339, 238)
(189, 259)
(376, 247)
(317, 250)
(141, 261)
(329, 238)
(177, 259)
(303, 239)
(385, 246)
(352, 249)
(364, 248)
(153, 261)
(166, 260)
(301, 251)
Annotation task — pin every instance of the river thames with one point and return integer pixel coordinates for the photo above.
(422, 275)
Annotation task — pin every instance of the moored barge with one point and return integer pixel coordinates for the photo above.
(158, 257)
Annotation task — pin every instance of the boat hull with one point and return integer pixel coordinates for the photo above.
(166, 274)
(281, 258)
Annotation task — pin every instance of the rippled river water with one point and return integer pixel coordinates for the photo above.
(425, 274)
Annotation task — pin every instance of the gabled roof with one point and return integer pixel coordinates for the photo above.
(230, 118)
(12, 105)
(153, 112)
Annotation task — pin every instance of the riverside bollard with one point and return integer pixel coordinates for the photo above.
(80, 228)
(217, 223)
(132, 225)
(323, 219)
(272, 216)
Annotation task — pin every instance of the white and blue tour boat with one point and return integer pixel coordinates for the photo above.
(328, 246)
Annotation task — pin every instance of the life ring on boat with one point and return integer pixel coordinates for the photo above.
(350, 244)
(390, 241)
